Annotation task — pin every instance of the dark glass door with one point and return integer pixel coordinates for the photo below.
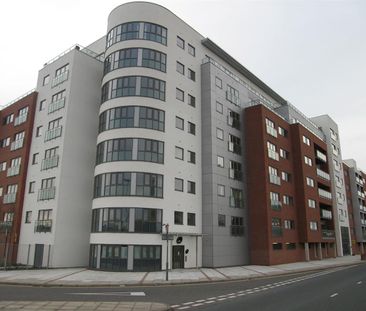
(178, 257)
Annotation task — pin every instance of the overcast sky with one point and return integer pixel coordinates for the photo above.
(313, 53)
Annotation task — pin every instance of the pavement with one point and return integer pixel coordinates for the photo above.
(81, 277)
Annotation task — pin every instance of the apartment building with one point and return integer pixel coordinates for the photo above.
(355, 180)
(15, 140)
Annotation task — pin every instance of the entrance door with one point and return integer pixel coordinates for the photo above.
(178, 257)
(38, 256)
(345, 241)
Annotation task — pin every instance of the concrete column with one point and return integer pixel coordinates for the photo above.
(320, 251)
(362, 248)
(130, 258)
(307, 256)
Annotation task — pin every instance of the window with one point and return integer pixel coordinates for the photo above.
(179, 95)
(54, 124)
(234, 144)
(153, 88)
(235, 170)
(114, 150)
(191, 75)
(12, 189)
(234, 119)
(221, 220)
(15, 162)
(218, 82)
(146, 258)
(32, 185)
(220, 161)
(219, 107)
(3, 166)
(178, 218)
(288, 200)
(149, 118)
(35, 158)
(308, 161)
(273, 176)
(111, 219)
(121, 59)
(148, 220)
(191, 128)
(1, 191)
(178, 184)
(306, 140)
(191, 100)
(286, 176)
(154, 32)
(154, 59)
(62, 70)
(50, 153)
(334, 149)
(276, 226)
(28, 217)
(290, 246)
(150, 150)
(23, 111)
(112, 184)
(19, 136)
(221, 190)
(179, 123)
(191, 219)
(5, 142)
(220, 134)
(313, 225)
(126, 31)
(276, 246)
(284, 154)
(180, 42)
(46, 80)
(289, 224)
(149, 185)
(180, 68)
(310, 181)
(179, 153)
(8, 119)
(270, 128)
(48, 183)
(191, 187)
(236, 198)
(191, 157)
(282, 131)
(275, 201)
(237, 228)
(191, 50)
(311, 203)
(232, 95)
(42, 105)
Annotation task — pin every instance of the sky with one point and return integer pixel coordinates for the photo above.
(312, 53)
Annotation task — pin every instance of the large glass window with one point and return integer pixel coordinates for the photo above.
(155, 33)
(147, 258)
(115, 150)
(151, 118)
(148, 220)
(151, 87)
(114, 257)
(150, 150)
(110, 220)
(154, 59)
(112, 184)
(149, 185)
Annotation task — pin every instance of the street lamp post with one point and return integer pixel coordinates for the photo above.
(167, 252)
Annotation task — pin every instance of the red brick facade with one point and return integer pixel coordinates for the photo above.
(279, 229)
(12, 123)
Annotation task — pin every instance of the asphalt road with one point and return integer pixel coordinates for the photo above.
(336, 289)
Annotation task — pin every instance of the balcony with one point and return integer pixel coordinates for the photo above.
(322, 174)
(17, 144)
(325, 194)
(276, 231)
(13, 171)
(271, 131)
(236, 202)
(20, 119)
(232, 98)
(325, 214)
(57, 105)
(320, 155)
(237, 230)
(233, 122)
(48, 163)
(53, 133)
(46, 194)
(60, 78)
(235, 148)
(274, 179)
(235, 174)
(273, 155)
(276, 205)
(9, 198)
(328, 234)
(43, 225)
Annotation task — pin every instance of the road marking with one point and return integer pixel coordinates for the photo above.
(221, 299)
(210, 301)
(188, 303)
(335, 294)
(197, 304)
(201, 300)
(359, 282)
(182, 308)
(135, 294)
(174, 306)
(211, 298)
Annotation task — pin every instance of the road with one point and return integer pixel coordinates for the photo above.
(336, 289)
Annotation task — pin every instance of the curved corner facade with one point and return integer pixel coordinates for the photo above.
(148, 164)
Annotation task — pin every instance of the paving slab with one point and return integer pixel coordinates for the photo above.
(175, 276)
(237, 272)
(213, 274)
(264, 270)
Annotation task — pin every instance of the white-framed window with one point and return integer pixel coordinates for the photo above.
(221, 190)
(306, 140)
(220, 161)
(219, 133)
(179, 153)
(313, 225)
(3, 166)
(311, 203)
(284, 153)
(180, 68)
(178, 184)
(288, 200)
(310, 181)
(180, 42)
(308, 161)
(286, 176)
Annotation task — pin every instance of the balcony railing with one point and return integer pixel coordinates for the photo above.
(48, 163)
(271, 131)
(237, 230)
(20, 119)
(53, 133)
(235, 123)
(17, 144)
(320, 155)
(232, 98)
(60, 78)
(9, 198)
(276, 231)
(235, 174)
(234, 147)
(46, 194)
(276, 205)
(273, 155)
(322, 174)
(325, 194)
(325, 214)
(13, 171)
(43, 225)
(236, 202)
(57, 105)
(274, 179)
(328, 234)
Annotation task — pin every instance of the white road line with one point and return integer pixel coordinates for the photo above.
(135, 294)
(211, 298)
(188, 303)
(174, 306)
(359, 282)
(197, 304)
(210, 301)
(335, 294)
(221, 299)
(182, 308)
(242, 294)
